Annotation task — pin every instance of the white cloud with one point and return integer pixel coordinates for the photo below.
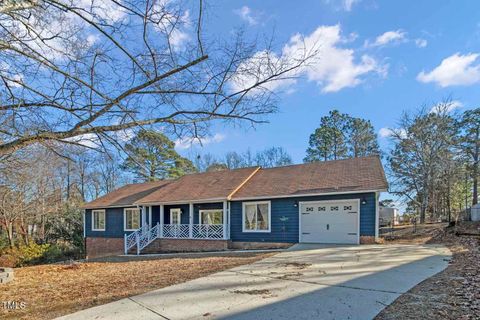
(333, 67)
(421, 43)
(247, 15)
(263, 62)
(395, 36)
(348, 4)
(389, 132)
(124, 135)
(385, 132)
(175, 26)
(89, 140)
(456, 70)
(104, 10)
(186, 143)
(446, 106)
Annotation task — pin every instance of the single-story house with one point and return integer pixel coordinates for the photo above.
(321, 202)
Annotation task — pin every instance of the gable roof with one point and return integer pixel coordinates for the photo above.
(348, 175)
(126, 195)
(216, 185)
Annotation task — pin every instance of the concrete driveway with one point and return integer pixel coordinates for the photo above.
(305, 282)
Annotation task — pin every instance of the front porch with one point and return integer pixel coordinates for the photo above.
(192, 221)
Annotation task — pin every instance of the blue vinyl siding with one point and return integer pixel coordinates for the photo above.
(183, 216)
(280, 231)
(155, 215)
(288, 231)
(113, 224)
(185, 212)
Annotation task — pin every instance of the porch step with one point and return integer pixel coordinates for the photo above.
(183, 245)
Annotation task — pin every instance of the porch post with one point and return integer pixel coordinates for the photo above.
(150, 217)
(190, 220)
(225, 222)
(125, 243)
(162, 216)
(144, 217)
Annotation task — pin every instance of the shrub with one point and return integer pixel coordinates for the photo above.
(38, 253)
(8, 261)
(25, 254)
(3, 242)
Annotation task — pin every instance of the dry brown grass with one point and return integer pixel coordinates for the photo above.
(453, 293)
(53, 290)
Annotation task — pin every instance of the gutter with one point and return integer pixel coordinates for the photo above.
(308, 195)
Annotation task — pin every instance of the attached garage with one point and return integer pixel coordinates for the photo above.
(335, 222)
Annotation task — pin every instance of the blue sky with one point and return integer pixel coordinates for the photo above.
(397, 57)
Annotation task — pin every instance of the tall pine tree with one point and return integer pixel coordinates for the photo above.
(152, 156)
(341, 136)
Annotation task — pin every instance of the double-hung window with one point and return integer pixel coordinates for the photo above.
(256, 216)
(212, 216)
(98, 220)
(131, 218)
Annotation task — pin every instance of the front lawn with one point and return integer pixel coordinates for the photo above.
(53, 290)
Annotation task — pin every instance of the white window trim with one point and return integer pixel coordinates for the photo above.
(172, 210)
(104, 219)
(125, 219)
(244, 204)
(208, 210)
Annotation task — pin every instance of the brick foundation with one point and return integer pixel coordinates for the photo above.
(103, 247)
(367, 240)
(185, 245)
(258, 245)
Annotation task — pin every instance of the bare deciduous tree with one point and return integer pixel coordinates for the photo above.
(76, 70)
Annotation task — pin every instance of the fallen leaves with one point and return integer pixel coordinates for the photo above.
(453, 293)
(53, 290)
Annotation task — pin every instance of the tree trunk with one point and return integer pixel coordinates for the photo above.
(423, 211)
(9, 227)
(475, 170)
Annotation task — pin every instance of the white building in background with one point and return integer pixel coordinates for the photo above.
(388, 216)
(475, 212)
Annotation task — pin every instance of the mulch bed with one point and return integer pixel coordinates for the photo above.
(451, 294)
(49, 291)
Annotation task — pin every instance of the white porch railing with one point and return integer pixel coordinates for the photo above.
(133, 238)
(142, 237)
(176, 231)
(207, 231)
(148, 237)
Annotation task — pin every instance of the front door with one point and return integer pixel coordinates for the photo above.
(175, 216)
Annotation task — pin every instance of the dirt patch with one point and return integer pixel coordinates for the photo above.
(253, 291)
(290, 276)
(451, 294)
(410, 234)
(264, 293)
(49, 291)
(297, 265)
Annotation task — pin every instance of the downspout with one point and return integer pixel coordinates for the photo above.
(84, 213)
(376, 216)
(229, 220)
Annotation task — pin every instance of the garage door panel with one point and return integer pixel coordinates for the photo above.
(329, 222)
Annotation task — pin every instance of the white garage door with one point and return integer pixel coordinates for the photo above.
(329, 222)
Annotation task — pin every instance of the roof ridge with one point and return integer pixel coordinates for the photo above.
(243, 183)
(322, 162)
